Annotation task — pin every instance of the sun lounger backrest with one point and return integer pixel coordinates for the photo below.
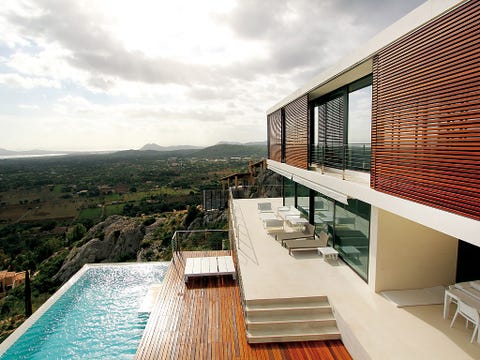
(323, 238)
(309, 229)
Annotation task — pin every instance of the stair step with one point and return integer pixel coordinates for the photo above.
(290, 319)
(263, 315)
(326, 333)
(305, 302)
(293, 326)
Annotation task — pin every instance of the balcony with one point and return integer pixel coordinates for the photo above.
(370, 325)
(354, 156)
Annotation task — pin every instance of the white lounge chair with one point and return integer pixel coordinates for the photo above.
(273, 225)
(307, 233)
(264, 207)
(209, 266)
(290, 212)
(305, 243)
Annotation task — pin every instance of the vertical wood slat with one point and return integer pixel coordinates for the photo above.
(425, 114)
(296, 133)
(274, 125)
(331, 131)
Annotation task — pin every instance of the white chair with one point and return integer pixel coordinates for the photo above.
(469, 313)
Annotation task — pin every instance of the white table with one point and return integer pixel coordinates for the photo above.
(328, 253)
(453, 294)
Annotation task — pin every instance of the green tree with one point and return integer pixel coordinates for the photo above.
(75, 233)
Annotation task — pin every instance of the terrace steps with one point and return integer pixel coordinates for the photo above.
(290, 319)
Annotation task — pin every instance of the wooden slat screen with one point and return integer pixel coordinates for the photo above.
(331, 131)
(274, 121)
(296, 133)
(426, 114)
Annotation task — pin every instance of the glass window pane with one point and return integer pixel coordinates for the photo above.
(359, 129)
(323, 217)
(360, 116)
(351, 234)
(303, 199)
(289, 192)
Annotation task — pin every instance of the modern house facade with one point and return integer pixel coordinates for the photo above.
(382, 151)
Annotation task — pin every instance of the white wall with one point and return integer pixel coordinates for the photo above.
(408, 255)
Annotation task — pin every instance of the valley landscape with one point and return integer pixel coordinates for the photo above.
(58, 213)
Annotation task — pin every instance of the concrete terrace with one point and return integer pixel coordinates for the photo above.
(371, 326)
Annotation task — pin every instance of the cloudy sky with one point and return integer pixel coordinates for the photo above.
(111, 74)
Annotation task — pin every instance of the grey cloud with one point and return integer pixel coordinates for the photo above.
(210, 93)
(95, 50)
(300, 36)
(305, 33)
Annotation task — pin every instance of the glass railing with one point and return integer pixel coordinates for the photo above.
(354, 156)
(358, 156)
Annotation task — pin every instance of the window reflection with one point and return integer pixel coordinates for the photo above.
(351, 234)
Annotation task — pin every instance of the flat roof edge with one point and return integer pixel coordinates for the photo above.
(418, 17)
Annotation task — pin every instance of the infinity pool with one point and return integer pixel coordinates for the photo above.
(95, 317)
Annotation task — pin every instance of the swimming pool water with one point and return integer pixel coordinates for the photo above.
(96, 318)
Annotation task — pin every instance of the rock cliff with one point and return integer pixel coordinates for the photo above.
(116, 239)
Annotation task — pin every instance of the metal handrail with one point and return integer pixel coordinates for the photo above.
(235, 245)
(176, 245)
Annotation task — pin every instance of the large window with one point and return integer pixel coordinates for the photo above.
(348, 226)
(341, 127)
(359, 126)
(351, 234)
(348, 229)
(303, 200)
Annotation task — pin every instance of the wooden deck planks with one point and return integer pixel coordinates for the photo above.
(204, 320)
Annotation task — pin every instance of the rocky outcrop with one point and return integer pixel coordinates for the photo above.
(212, 219)
(116, 239)
(268, 184)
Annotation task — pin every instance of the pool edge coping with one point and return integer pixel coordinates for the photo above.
(18, 332)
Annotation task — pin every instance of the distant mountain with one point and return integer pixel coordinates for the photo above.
(5, 152)
(229, 150)
(228, 143)
(156, 147)
(256, 143)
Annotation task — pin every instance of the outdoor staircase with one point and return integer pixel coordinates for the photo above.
(290, 319)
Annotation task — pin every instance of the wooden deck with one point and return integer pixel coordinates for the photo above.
(204, 320)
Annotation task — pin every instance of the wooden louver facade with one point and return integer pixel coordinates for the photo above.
(426, 114)
(296, 133)
(274, 126)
